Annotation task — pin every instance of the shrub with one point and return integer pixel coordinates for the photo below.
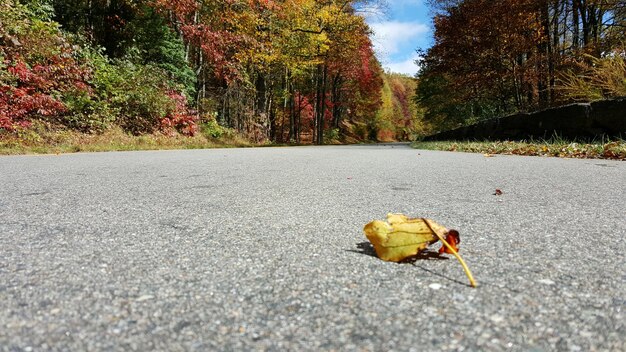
(332, 135)
(211, 129)
(180, 118)
(88, 113)
(37, 66)
(599, 78)
(57, 78)
(138, 98)
(157, 44)
(132, 96)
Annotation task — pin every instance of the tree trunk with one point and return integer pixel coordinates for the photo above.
(545, 54)
(199, 78)
(583, 10)
(321, 103)
(554, 50)
(575, 25)
(336, 99)
(299, 121)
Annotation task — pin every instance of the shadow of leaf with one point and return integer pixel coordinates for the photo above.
(441, 275)
(366, 248)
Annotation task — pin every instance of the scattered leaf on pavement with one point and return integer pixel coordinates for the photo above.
(401, 237)
(498, 192)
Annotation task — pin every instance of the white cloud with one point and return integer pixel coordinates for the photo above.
(407, 67)
(389, 37)
(395, 43)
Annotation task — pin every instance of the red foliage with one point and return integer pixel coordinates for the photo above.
(30, 95)
(304, 108)
(34, 79)
(181, 119)
(213, 34)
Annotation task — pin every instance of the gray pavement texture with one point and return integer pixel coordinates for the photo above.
(262, 249)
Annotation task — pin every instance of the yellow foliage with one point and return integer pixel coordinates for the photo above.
(604, 78)
(399, 117)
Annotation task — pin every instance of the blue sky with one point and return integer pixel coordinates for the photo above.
(404, 27)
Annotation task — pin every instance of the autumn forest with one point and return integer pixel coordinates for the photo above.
(294, 71)
(493, 58)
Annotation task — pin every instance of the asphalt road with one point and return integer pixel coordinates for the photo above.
(262, 249)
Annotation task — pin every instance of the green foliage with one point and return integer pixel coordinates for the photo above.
(211, 129)
(27, 29)
(137, 93)
(332, 135)
(39, 9)
(156, 44)
(130, 30)
(105, 23)
(129, 95)
(445, 109)
(88, 113)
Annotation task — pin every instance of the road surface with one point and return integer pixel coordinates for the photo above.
(262, 249)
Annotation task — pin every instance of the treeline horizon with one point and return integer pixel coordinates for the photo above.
(285, 71)
(294, 71)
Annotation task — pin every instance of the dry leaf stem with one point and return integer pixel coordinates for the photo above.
(454, 252)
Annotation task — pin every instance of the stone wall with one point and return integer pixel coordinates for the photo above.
(576, 121)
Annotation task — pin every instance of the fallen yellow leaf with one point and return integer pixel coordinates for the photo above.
(401, 237)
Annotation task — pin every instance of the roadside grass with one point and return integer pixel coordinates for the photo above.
(65, 141)
(555, 147)
(43, 140)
